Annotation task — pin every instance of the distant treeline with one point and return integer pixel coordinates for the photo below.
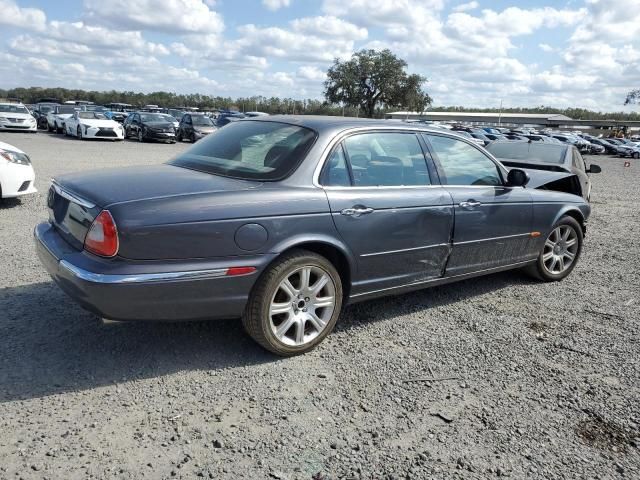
(273, 105)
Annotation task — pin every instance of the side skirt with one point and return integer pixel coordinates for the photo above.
(410, 287)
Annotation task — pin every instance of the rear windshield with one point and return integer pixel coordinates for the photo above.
(529, 152)
(250, 150)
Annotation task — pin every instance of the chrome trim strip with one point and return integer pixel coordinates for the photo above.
(71, 197)
(493, 238)
(112, 279)
(444, 279)
(390, 252)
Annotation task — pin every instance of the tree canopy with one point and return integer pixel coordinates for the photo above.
(373, 79)
(632, 97)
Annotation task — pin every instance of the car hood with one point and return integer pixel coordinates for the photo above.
(99, 123)
(23, 116)
(207, 128)
(132, 184)
(64, 115)
(158, 124)
(9, 148)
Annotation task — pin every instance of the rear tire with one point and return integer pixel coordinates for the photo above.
(294, 304)
(636, 155)
(560, 251)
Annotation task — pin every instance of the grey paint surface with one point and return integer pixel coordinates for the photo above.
(172, 219)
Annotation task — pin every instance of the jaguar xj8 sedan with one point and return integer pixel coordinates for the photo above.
(281, 221)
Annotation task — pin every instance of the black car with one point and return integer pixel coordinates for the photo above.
(147, 126)
(567, 169)
(226, 118)
(194, 126)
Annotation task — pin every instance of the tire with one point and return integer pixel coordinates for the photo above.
(179, 136)
(49, 127)
(550, 265)
(140, 136)
(79, 133)
(306, 329)
(58, 129)
(193, 138)
(636, 155)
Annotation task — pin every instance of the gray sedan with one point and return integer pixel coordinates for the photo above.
(281, 221)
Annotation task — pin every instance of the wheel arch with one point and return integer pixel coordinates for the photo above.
(334, 251)
(574, 213)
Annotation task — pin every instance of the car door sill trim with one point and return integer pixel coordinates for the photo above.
(505, 237)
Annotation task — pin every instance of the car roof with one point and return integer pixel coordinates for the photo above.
(330, 124)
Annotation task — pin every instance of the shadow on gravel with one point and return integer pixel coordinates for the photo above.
(48, 345)
(361, 314)
(7, 203)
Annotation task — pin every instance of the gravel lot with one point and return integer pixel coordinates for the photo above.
(535, 380)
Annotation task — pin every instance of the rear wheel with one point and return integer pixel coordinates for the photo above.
(295, 304)
(560, 252)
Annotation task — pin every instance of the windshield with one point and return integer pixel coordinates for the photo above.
(152, 117)
(529, 152)
(92, 115)
(169, 118)
(250, 150)
(201, 120)
(64, 110)
(13, 109)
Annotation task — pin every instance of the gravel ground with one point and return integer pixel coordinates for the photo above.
(534, 380)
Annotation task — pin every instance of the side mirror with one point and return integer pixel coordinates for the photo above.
(517, 178)
(593, 168)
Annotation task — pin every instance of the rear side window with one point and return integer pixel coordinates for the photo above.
(463, 164)
(336, 172)
(386, 159)
(250, 150)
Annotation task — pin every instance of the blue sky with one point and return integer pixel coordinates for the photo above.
(574, 53)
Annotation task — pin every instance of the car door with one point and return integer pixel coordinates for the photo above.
(389, 209)
(492, 221)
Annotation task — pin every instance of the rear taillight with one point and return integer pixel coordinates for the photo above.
(102, 238)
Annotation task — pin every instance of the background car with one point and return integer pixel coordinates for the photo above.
(15, 116)
(194, 126)
(88, 125)
(171, 119)
(558, 160)
(58, 114)
(16, 173)
(146, 126)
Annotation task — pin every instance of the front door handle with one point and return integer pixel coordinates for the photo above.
(356, 211)
(470, 204)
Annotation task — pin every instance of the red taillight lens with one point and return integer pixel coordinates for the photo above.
(102, 238)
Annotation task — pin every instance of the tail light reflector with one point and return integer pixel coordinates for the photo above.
(234, 271)
(102, 238)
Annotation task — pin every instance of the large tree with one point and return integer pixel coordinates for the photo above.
(372, 79)
(632, 97)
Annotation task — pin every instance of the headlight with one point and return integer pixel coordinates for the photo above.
(15, 157)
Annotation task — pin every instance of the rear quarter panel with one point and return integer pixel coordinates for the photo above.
(206, 225)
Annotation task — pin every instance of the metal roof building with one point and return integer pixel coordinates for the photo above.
(553, 120)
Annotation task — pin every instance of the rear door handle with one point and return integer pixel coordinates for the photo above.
(470, 204)
(356, 211)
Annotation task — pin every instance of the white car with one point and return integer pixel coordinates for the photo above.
(15, 116)
(16, 173)
(58, 115)
(93, 125)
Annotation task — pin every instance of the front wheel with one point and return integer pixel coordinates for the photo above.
(295, 304)
(560, 252)
(79, 134)
(140, 136)
(179, 136)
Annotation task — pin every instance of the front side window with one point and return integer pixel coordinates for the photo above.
(250, 150)
(462, 164)
(386, 159)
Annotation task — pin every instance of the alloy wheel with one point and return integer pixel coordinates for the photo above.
(560, 249)
(302, 305)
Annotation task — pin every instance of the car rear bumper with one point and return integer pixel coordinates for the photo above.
(141, 291)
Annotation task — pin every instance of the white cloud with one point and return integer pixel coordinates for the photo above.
(13, 15)
(329, 26)
(276, 4)
(309, 72)
(464, 7)
(173, 16)
(545, 47)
